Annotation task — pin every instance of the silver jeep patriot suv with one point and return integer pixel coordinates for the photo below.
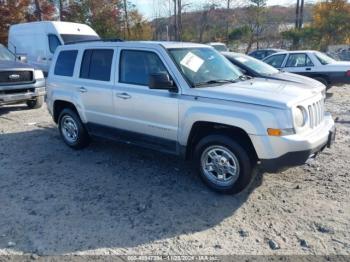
(186, 99)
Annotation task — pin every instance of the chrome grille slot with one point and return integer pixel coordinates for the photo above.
(316, 113)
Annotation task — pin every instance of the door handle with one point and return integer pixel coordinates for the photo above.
(124, 95)
(308, 69)
(82, 90)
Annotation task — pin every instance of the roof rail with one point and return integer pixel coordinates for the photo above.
(95, 40)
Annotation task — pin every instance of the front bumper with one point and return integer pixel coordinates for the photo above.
(22, 93)
(297, 158)
(278, 153)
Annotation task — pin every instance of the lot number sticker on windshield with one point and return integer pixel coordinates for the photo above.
(192, 62)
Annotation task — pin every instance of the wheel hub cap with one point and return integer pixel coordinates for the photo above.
(220, 165)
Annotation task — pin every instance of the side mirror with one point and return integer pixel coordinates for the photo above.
(22, 58)
(161, 81)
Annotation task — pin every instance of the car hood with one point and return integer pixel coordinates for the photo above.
(13, 65)
(303, 81)
(266, 92)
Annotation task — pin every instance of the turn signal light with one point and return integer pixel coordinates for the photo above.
(274, 132)
(348, 73)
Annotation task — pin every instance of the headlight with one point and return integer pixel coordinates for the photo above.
(38, 74)
(299, 116)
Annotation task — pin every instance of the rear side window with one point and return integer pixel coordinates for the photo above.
(96, 64)
(137, 66)
(65, 63)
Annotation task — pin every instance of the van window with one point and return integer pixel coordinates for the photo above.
(78, 38)
(96, 64)
(65, 63)
(54, 42)
(136, 66)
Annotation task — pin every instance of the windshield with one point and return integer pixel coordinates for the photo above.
(5, 54)
(220, 48)
(256, 65)
(204, 66)
(324, 59)
(76, 38)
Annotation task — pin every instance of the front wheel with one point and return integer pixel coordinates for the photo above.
(72, 129)
(36, 103)
(223, 164)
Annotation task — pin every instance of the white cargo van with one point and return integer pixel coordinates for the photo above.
(36, 42)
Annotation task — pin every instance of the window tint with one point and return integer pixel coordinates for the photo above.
(275, 61)
(96, 64)
(65, 63)
(54, 42)
(137, 66)
(298, 60)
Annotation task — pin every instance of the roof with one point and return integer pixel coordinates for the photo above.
(296, 51)
(165, 44)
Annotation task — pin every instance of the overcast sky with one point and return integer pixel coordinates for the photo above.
(147, 9)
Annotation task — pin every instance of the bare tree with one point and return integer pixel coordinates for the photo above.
(126, 18)
(179, 20)
(38, 13)
(60, 9)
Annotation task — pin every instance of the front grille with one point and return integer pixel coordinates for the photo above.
(16, 77)
(316, 113)
(17, 91)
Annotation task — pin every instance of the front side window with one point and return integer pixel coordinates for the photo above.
(65, 63)
(137, 66)
(96, 64)
(275, 61)
(5, 54)
(54, 42)
(204, 66)
(298, 60)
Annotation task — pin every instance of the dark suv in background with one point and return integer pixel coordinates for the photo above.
(262, 53)
(20, 82)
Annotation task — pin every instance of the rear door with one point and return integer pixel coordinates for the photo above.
(95, 85)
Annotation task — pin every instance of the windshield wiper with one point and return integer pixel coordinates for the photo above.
(211, 82)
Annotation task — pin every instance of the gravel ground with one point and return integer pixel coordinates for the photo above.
(118, 199)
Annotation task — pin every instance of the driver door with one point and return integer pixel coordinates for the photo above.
(149, 116)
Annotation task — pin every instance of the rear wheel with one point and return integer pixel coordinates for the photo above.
(224, 165)
(36, 103)
(72, 129)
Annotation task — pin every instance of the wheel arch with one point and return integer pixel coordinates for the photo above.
(59, 105)
(200, 129)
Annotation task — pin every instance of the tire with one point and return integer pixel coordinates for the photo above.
(323, 81)
(237, 157)
(72, 129)
(36, 103)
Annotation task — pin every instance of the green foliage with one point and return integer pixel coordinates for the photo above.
(239, 33)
